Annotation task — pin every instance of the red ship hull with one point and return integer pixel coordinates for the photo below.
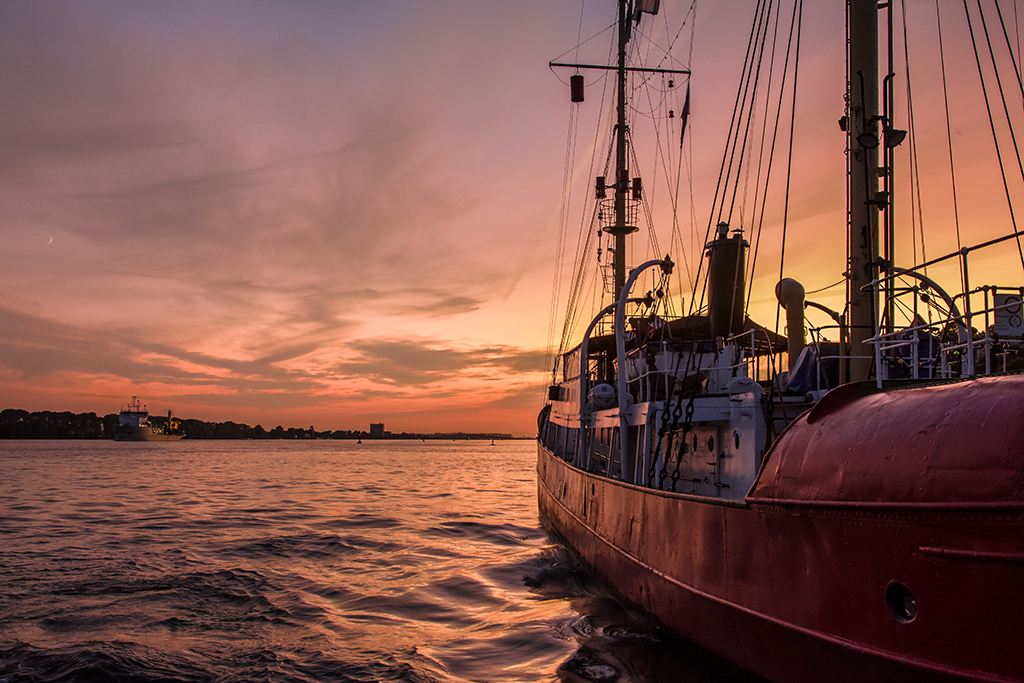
(807, 579)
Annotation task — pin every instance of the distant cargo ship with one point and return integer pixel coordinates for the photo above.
(133, 425)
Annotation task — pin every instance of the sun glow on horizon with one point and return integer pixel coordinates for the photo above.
(218, 211)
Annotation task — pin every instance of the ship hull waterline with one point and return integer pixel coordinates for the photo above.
(131, 433)
(790, 593)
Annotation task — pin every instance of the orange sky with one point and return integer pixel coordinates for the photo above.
(337, 213)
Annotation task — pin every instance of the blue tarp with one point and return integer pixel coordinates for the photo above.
(808, 375)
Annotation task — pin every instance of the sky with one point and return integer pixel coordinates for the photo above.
(323, 213)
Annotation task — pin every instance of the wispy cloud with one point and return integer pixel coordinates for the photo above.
(421, 362)
(244, 208)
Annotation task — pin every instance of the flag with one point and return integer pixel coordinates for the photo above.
(685, 115)
(649, 6)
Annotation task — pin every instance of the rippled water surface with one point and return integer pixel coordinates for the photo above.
(300, 561)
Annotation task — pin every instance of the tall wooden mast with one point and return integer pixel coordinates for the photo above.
(627, 195)
(862, 130)
(620, 229)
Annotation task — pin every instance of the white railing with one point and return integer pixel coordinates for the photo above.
(655, 368)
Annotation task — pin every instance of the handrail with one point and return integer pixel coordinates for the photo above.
(961, 252)
(620, 353)
(967, 343)
(585, 374)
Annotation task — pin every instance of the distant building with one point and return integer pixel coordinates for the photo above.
(377, 431)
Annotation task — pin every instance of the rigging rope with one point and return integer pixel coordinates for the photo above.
(916, 205)
(1006, 111)
(722, 176)
(657, 113)
(797, 20)
(1009, 47)
(949, 134)
(590, 232)
(583, 246)
(796, 23)
(685, 156)
(744, 160)
(563, 221)
(1016, 71)
(752, 74)
(579, 32)
(822, 289)
(756, 218)
(743, 139)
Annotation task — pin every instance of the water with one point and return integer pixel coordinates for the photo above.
(301, 561)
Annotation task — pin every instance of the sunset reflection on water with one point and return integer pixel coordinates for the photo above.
(297, 561)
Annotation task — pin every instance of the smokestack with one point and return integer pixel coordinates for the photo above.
(726, 262)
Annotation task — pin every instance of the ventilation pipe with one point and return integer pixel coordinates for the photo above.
(790, 294)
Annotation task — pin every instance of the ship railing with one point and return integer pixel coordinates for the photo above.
(826, 362)
(657, 369)
(899, 353)
(756, 361)
(740, 355)
(1000, 317)
(1003, 325)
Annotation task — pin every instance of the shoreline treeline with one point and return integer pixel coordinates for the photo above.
(21, 424)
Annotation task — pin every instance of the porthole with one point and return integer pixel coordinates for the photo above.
(901, 602)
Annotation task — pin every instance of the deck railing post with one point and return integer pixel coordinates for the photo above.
(878, 345)
(967, 314)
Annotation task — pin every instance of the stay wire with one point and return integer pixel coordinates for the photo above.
(991, 118)
(686, 157)
(949, 134)
(563, 221)
(722, 177)
(656, 113)
(579, 32)
(916, 209)
(584, 240)
(792, 127)
(568, 164)
(751, 75)
(1006, 109)
(665, 158)
(745, 158)
(793, 26)
(1009, 47)
(822, 289)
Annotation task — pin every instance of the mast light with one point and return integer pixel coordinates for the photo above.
(894, 137)
(576, 87)
(623, 184)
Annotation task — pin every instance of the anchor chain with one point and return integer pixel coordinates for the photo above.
(687, 424)
(666, 428)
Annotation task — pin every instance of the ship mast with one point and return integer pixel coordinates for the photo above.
(862, 176)
(619, 230)
(627, 194)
